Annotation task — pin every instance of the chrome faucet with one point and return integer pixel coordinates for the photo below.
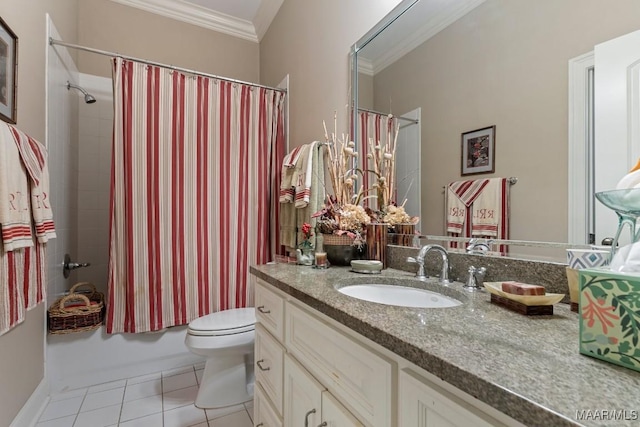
(479, 246)
(420, 274)
(475, 279)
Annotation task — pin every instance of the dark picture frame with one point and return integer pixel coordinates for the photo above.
(478, 151)
(8, 73)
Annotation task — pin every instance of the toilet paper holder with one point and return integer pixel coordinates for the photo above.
(67, 265)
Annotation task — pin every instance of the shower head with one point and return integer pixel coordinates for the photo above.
(88, 98)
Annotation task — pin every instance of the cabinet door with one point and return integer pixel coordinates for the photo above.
(423, 405)
(263, 413)
(335, 415)
(302, 396)
(269, 367)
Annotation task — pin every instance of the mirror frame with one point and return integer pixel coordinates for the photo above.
(403, 7)
(395, 13)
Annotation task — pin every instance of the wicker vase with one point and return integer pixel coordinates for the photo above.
(340, 249)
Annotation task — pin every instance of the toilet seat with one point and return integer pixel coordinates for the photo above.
(226, 322)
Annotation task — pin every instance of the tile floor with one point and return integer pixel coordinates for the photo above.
(163, 399)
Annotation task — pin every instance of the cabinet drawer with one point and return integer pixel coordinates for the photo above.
(263, 414)
(270, 310)
(269, 357)
(357, 376)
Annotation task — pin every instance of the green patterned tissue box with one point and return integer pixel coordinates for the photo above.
(610, 316)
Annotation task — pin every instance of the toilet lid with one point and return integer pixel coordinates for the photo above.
(226, 322)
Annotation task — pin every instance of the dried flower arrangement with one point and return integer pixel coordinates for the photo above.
(343, 213)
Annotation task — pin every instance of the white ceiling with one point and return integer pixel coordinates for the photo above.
(247, 19)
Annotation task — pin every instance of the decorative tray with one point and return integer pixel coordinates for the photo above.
(530, 300)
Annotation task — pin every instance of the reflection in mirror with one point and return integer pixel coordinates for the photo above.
(473, 64)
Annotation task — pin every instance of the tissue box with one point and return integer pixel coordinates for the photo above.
(610, 316)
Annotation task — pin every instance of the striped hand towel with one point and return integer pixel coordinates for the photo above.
(34, 157)
(460, 196)
(303, 187)
(15, 205)
(287, 189)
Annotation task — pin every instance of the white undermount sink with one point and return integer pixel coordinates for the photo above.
(403, 296)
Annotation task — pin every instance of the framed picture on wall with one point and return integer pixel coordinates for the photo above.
(8, 72)
(478, 151)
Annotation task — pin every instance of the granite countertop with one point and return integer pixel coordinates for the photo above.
(528, 367)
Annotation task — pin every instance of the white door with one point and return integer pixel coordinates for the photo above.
(408, 163)
(617, 121)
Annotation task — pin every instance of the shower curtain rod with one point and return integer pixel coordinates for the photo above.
(52, 41)
(413, 121)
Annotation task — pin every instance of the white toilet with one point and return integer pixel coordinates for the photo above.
(226, 340)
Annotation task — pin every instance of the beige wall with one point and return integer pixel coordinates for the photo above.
(503, 64)
(21, 349)
(110, 26)
(310, 40)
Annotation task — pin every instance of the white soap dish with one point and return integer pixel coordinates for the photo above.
(366, 266)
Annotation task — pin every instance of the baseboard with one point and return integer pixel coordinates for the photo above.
(77, 380)
(32, 409)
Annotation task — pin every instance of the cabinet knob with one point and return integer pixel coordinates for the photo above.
(261, 309)
(262, 368)
(306, 417)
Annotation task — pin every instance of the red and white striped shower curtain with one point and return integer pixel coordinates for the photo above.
(194, 200)
(380, 128)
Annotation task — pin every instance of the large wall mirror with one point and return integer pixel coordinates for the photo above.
(459, 65)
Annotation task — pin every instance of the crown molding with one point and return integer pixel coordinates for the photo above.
(266, 12)
(365, 67)
(433, 26)
(200, 16)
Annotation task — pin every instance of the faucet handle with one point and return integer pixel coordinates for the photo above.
(412, 260)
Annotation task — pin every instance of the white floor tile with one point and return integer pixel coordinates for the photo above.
(68, 394)
(199, 366)
(107, 386)
(102, 417)
(176, 382)
(102, 399)
(62, 408)
(144, 378)
(181, 397)
(141, 390)
(212, 414)
(141, 408)
(239, 419)
(184, 416)
(58, 422)
(154, 420)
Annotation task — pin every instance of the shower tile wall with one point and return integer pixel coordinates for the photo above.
(95, 137)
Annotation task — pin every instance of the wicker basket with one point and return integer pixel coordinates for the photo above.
(77, 312)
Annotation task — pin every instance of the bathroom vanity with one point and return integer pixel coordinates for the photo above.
(325, 357)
